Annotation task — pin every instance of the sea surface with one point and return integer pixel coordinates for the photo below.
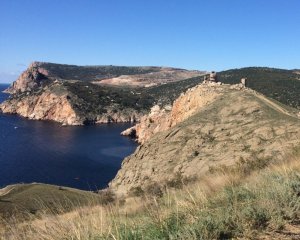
(84, 157)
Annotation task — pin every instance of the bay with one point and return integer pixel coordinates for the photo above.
(83, 157)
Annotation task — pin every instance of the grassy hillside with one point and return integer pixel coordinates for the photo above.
(282, 85)
(231, 204)
(28, 200)
(256, 204)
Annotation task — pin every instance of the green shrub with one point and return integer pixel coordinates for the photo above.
(238, 211)
(256, 217)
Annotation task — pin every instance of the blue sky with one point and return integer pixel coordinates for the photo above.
(192, 34)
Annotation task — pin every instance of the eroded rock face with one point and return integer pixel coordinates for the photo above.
(30, 79)
(161, 119)
(206, 130)
(47, 106)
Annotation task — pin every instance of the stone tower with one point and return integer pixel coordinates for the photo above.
(211, 77)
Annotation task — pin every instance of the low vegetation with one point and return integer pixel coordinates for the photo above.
(91, 73)
(26, 201)
(263, 204)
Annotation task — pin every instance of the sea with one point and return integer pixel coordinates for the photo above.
(83, 157)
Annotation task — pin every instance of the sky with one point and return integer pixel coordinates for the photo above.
(191, 34)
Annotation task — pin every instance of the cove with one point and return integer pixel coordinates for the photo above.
(83, 157)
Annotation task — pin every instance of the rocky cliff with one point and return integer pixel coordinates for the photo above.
(57, 103)
(162, 118)
(75, 95)
(209, 127)
(47, 106)
(33, 77)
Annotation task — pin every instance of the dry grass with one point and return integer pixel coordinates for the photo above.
(264, 205)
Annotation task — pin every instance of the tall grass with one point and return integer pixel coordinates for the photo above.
(265, 203)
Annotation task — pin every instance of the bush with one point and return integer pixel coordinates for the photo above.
(179, 181)
(107, 196)
(154, 190)
(176, 182)
(136, 192)
(256, 217)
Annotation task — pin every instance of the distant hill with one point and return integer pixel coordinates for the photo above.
(41, 73)
(92, 73)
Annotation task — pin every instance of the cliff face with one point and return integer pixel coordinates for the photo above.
(210, 126)
(161, 119)
(46, 106)
(57, 103)
(30, 79)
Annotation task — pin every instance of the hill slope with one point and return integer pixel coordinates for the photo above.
(280, 84)
(27, 200)
(209, 126)
(42, 73)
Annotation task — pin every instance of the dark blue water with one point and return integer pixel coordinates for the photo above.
(84, 157)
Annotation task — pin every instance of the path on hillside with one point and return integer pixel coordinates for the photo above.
(274, 105)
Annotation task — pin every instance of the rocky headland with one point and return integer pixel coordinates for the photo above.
(77, 95)
(56, 103)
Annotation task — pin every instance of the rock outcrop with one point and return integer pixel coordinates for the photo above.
(209, 127)
(47, 106)
(30, 79)
(161, 119)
